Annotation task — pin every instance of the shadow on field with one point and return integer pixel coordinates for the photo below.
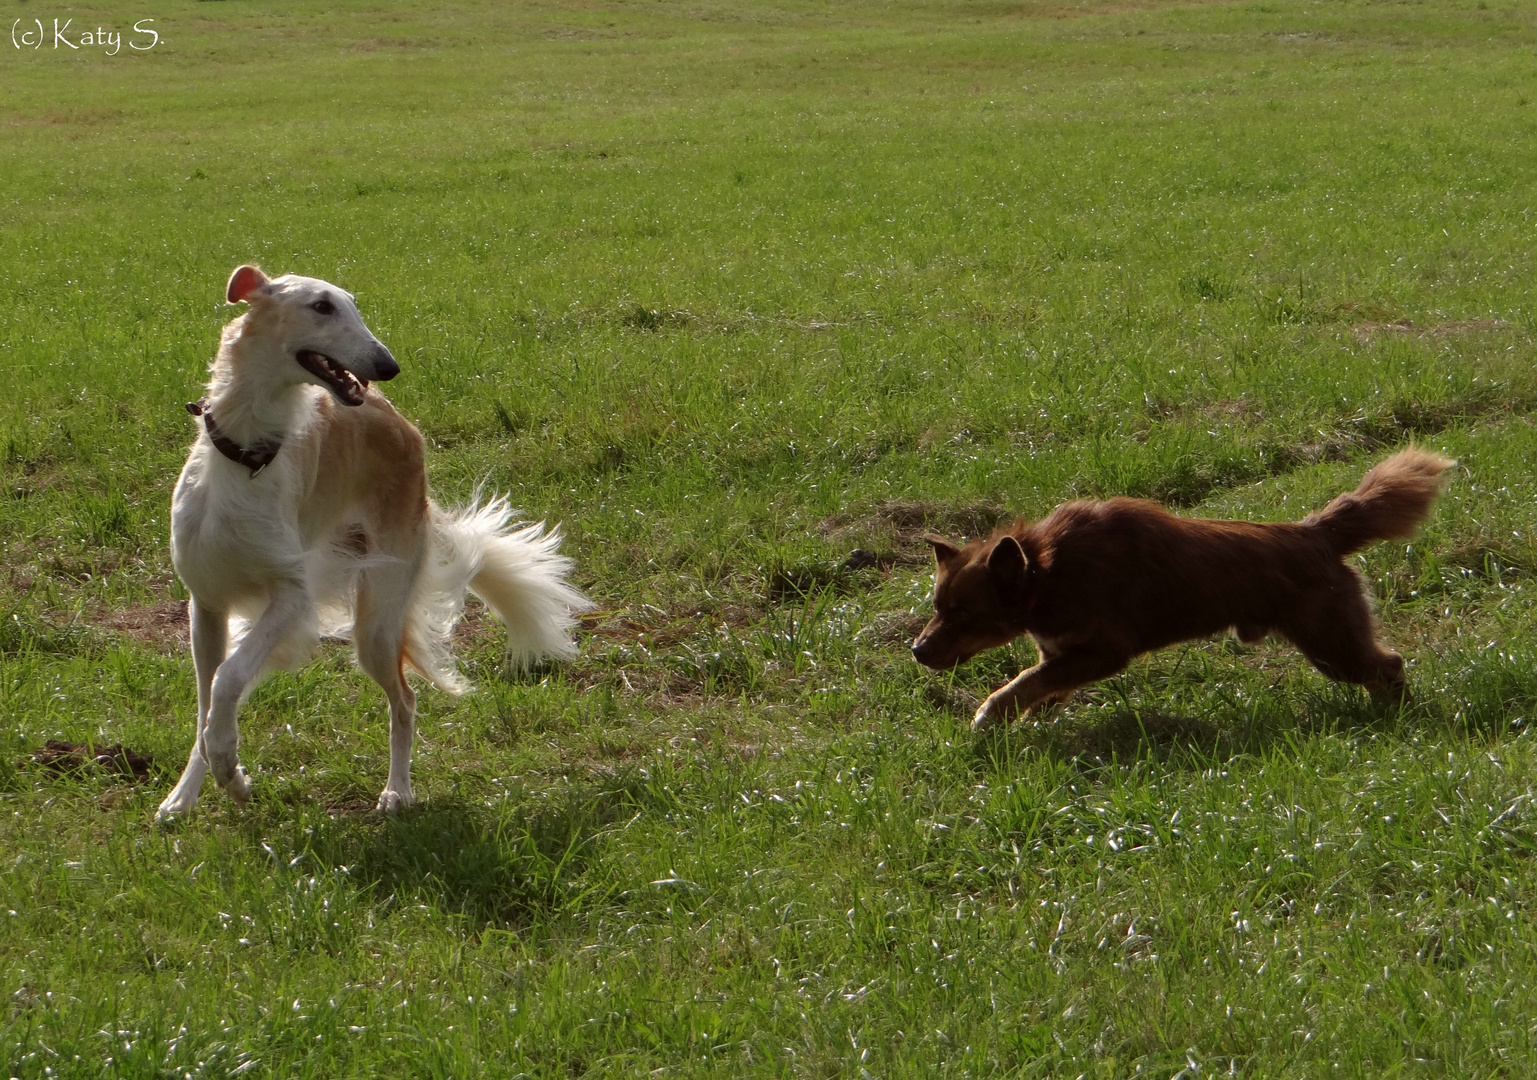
(1493, 694)
(1123, 735)
(1132, 733)
(1097, 736)
(497, 863)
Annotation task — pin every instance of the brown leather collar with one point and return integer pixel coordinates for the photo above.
(255, 458)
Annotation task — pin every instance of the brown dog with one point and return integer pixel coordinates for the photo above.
(1098, 583)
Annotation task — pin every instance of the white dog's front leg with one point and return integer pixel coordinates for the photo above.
(287, 611)
(210, 639)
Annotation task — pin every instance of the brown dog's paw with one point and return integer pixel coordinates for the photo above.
(1392, 693)
(991, 714)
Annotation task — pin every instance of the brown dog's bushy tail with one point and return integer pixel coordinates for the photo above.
(1389, 505)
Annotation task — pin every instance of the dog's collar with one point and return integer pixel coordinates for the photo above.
(255, 458)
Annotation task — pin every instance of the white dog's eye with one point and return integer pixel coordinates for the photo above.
(325, 307)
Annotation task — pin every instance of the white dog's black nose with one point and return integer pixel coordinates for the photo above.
(385, 367)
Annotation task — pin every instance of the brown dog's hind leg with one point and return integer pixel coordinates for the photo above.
(1338, 638)
(1251, 633)
(1049, 681)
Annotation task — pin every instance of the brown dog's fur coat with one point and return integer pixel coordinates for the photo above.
(1096, 584)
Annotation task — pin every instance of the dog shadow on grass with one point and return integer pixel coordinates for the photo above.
(1124, 731)
(1119, 735)
(503, 862)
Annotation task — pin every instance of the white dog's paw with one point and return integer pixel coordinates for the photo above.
(177, 804)
(392, 801)
(223, 761)
(239, 786)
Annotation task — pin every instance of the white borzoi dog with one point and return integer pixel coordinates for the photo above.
(303, 510)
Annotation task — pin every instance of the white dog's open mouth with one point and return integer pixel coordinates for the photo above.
(343, 383)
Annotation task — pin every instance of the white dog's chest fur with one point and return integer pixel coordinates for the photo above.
(230, 530)
(235, 537)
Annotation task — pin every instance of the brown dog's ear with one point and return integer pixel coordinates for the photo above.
(243, 282)
(1007, 561)
(944, 551)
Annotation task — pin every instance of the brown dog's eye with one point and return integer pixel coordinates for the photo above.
(325, 307)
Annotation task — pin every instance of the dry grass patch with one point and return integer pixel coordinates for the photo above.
(1369, 331)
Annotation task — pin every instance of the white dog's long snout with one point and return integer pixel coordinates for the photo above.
(353, 348)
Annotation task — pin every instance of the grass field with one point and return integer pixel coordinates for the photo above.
(732, 290)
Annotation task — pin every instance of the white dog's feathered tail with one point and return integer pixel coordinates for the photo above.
(519, 572)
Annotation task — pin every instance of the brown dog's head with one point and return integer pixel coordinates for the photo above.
(979, 593)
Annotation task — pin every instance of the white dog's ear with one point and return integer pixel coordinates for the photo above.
(243, 282)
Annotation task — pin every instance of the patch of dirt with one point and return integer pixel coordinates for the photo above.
(574, 33)
(351, 806)
(803, 580)
(77, 117)
(903, 524)
(1284, 459)
(161, 626)
(369, 45)
(898, 627)
(1408, 328)
(958, 701)
(474, 620)
(654, 628)
(67, 757)
(1219, 413)
(1079, 9)
(641, 317)
(860, 559)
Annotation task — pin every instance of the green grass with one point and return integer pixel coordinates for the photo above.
(731, 290)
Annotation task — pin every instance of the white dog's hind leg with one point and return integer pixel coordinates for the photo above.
(397, 793)
(210, 638)
(287, 612)
(383, 594)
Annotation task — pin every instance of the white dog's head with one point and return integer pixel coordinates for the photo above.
(318, 327)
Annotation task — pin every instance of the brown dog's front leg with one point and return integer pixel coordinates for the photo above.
(1051, 680)
(1024, 691)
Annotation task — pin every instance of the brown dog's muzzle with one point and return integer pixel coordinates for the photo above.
(933, 651)
(944, 645)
